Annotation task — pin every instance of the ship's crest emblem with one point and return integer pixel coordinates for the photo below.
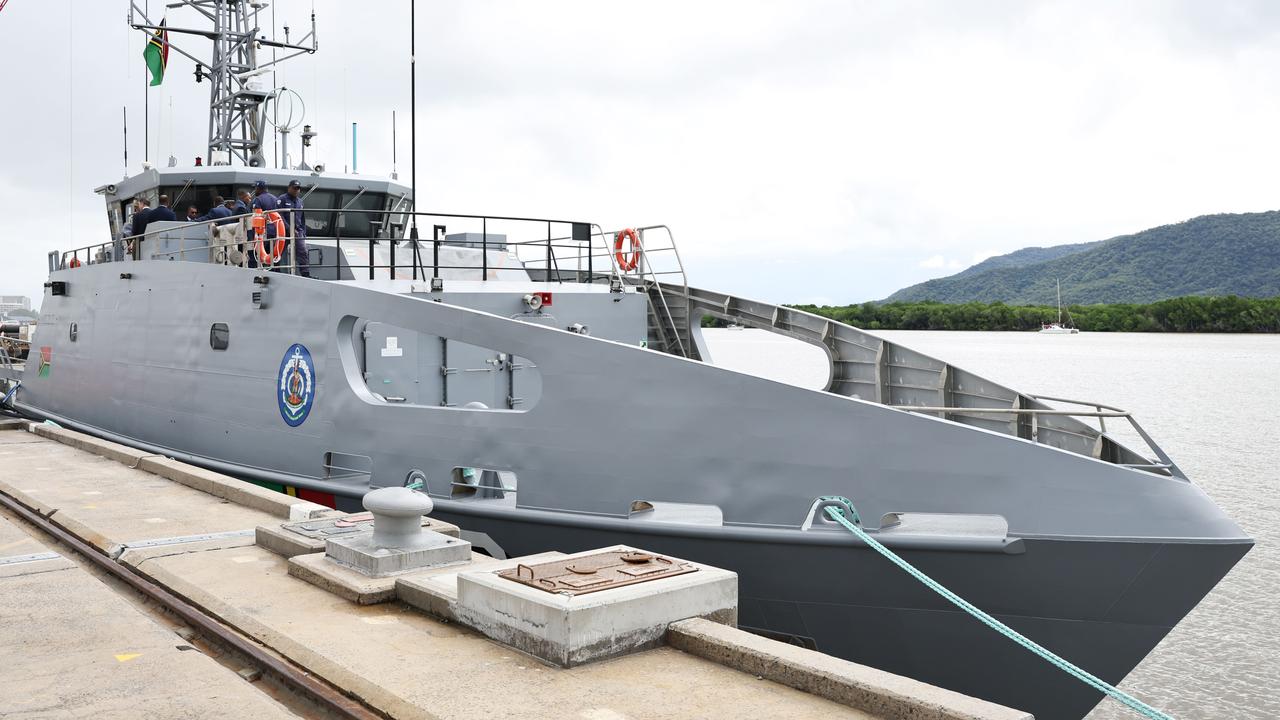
(296, 389)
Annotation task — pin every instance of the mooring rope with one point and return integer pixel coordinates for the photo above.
(12, 391)
(836, 513)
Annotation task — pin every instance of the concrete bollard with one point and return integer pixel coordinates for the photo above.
(397, 517)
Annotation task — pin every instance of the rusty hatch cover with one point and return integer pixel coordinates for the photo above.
(601, 571)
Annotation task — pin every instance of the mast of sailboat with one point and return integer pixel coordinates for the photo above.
(1059, 300)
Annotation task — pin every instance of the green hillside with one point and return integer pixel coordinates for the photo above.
(1209, 255)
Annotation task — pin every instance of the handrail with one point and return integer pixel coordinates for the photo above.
(1018, 411)
(131, 247)
(1165, 461)
(650, 277)
(10, 359)
(1102, 424)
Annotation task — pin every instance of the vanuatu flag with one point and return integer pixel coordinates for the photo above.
(157, 54)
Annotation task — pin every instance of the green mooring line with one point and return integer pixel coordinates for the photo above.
(853, 526)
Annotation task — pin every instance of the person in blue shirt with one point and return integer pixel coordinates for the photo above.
(291, 202)
(243, 203)
(265, 201)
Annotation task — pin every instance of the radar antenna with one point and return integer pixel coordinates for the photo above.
(237, 94)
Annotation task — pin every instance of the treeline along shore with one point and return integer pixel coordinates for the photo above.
(1193, 313)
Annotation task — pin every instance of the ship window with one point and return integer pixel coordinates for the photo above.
(219, 336)
(75, 331)
(199, 195)
(320, 221)
(360, 224)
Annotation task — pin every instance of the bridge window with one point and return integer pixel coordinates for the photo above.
(360, 224)
(320, 221)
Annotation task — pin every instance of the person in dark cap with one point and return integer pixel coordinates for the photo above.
(291, 203)
(265, 200)
(267, 203)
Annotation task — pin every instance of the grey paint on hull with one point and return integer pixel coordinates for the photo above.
(1102, 605)
(616, 424)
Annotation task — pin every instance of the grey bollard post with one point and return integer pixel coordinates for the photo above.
(397, 516)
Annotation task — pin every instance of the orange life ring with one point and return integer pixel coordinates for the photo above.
(627, 264)
(260, 221)
(75, 262)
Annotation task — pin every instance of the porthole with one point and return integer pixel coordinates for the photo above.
(74, 332)
(219, 336)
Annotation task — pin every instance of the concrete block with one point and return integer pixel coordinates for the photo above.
(429, 550)
(27, 499)
(208, 481)
(354, 586)
(105, 448)
(873, 691)
(308, 536)
(435, 592)
(342, 581)
(570, 630)
(14, 424)
(228, 488)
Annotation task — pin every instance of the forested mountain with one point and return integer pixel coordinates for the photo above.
(1210, 255)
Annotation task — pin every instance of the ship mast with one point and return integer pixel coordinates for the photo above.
(237, 94)
(1059, 281)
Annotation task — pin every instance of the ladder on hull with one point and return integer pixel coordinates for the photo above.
(660, 271)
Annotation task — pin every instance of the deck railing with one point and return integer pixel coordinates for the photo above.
(550, 250)
(1100, 411)
(14, 352)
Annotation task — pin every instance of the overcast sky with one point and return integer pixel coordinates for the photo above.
(802, 152)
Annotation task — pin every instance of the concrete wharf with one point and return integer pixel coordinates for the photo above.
(133, 585)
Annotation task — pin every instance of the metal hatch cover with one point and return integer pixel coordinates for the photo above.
(601, 571)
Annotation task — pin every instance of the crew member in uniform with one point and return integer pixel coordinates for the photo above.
(267, 203)
(291, 202)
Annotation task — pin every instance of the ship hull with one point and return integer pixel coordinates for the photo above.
(1096, 560)
(1103, 605)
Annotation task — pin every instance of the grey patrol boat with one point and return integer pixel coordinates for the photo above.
(547, 383)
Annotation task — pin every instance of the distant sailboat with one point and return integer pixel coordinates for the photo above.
(1057, 328)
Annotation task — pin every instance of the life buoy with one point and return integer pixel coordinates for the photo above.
(75, 262)
(276, 251)
(625, 263)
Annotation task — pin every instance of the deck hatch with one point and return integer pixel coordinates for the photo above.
(601, 571)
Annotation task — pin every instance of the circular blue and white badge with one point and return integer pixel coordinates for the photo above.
(297, 385)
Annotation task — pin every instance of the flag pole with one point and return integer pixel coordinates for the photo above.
(146, 103)
(413, 124)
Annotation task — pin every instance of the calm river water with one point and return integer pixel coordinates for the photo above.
(1212, 402)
